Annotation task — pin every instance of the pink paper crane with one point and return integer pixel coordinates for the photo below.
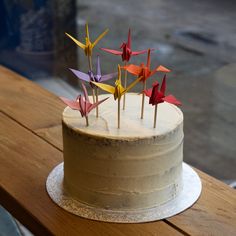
(82, 104)
(156, 97)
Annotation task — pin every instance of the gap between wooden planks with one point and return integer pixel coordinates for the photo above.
(213, 213)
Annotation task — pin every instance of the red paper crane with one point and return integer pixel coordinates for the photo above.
(82, 104)
(156, 96)
(126, 52)
(159, 96)
(145, 71)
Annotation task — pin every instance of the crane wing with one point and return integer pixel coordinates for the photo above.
(99, 37)
(106, 87)
(81, 45)
(116, 52)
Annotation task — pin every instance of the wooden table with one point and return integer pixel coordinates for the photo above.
(31, 146)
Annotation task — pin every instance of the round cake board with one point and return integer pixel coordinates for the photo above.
(187, 197)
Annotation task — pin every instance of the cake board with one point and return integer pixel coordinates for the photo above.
(186, 198)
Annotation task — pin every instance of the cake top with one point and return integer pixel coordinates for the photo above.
(169, 117)
(133, 128)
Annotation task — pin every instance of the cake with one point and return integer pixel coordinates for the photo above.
(134, 167)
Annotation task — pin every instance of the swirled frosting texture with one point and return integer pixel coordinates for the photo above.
(133, 167)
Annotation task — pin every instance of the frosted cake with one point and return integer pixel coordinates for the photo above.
(134, 167)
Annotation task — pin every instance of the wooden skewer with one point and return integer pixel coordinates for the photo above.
(118, 113)
(125, 85)
(155, 117)
(93, 95)
(90, 63)
(91, 68)
(87, 122)
(96, 91)
(143, 99)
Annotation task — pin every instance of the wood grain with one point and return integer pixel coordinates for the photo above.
(26, 162)
(213, 214)
(31, 105)
(40, 125)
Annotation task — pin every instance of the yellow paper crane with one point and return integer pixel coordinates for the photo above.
(88, 46)
(118, 91)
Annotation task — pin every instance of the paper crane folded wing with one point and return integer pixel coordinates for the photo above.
(171, 99)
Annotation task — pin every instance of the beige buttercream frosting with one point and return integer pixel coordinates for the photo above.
(136, 166)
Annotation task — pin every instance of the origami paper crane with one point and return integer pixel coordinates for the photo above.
(145, 70)
(118, 90)
(82, 103)
(88, 46)
(91, 77)
(156, 97)
(126, 52)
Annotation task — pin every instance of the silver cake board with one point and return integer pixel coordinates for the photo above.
(186, 198)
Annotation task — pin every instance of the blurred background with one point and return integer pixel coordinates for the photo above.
(195, 39)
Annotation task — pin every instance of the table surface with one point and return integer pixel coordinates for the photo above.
(31, 146)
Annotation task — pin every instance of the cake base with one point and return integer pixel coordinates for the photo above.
(191, 191)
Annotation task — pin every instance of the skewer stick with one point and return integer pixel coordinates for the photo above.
(90, 63)
(143, 99)
(118, 113)
(155, 117)
(125, 85)
(93, 95)
(96, 91)
(91, 68)
(87, 122)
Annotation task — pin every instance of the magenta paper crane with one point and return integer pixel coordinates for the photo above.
(156, 97)
(91, 77)
(82, 104)
(126, 52)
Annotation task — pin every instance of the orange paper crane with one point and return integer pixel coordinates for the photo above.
(145, 72)
(118, 90)
(88, 46)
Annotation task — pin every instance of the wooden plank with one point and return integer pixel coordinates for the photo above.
(213, 214)
(217, 203)
(26, 160)
(31, 105)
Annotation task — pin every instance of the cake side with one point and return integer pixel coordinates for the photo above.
(134, 167)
